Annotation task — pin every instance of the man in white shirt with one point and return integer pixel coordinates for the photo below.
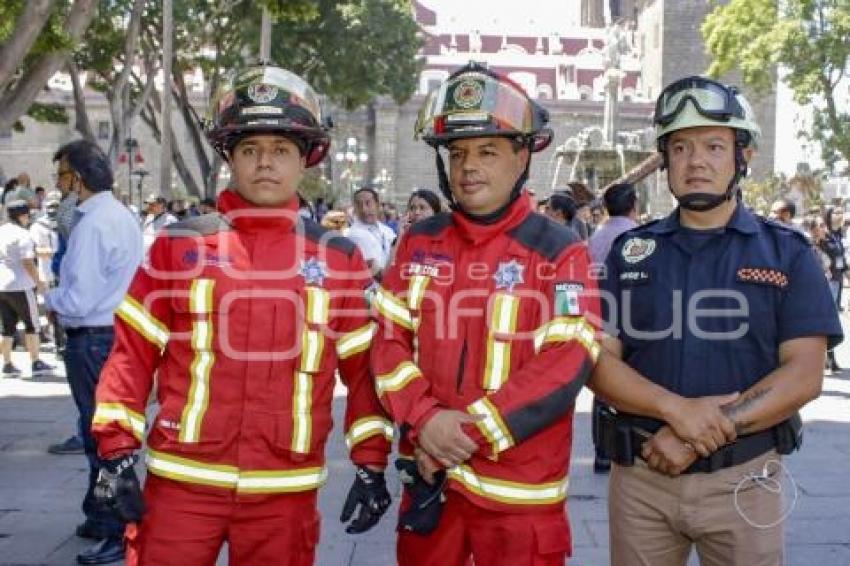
(157, 217)
(18, 281)
(373, 237)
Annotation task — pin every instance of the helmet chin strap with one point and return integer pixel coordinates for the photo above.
(490, 218)
(702, 202)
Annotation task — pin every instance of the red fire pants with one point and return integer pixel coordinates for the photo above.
(187, 526)
(489, 538)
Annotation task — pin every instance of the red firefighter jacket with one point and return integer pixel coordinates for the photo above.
(238, 322)
(497, 320)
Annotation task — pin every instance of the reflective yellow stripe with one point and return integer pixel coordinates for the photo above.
(355, 341)
(312, 347)
(230, 477)
(128, 419)
(302, 401)
(510, 492)
(133, 313)
(416, 291)
(368, 427)
(492, 426)
(502, 322)
(288, 481)
(200, 303)
(318, 304)
(398, 378)
(564, 329)
(390, 307)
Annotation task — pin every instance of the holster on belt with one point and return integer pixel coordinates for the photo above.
(426, 506)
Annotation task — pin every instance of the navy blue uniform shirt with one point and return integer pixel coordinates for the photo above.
(704, 312)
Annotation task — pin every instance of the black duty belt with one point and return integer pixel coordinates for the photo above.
(784, 437)
(87, 330)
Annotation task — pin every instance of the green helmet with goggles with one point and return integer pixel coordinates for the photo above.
(475, 102)
(269, 99)
(697, 101)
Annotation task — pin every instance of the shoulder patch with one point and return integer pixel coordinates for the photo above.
(317, 233)
(433, 225)
(543, 236)
(204, 225)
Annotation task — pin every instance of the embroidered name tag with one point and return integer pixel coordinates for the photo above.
(763, 276)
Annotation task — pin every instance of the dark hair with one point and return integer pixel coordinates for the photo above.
(788, 204)
(827, 218)
(428, 196)
(563, 203)
(208, 201)
(40, 189)
(17, 208)
(369, 190)
(620, 199)
(89, 162)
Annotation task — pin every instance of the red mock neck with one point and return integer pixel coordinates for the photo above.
(477, 233)
(248, 217)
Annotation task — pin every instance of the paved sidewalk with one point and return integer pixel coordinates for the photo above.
(40, 493)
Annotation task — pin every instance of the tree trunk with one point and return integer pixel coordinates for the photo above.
(149, 118)
(81, 115)
(26, 31)
(119, 93)
(194, 126)
(15, 103)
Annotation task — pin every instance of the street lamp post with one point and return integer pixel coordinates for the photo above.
(141, 174)
(355, 157)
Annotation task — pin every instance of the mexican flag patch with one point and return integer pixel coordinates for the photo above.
(566, 298)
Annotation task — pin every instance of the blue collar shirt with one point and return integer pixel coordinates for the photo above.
(104, 251)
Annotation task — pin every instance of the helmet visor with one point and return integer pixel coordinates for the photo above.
(475, 103)
(711, 99)
(267, 89)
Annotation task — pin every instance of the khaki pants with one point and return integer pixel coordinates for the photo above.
(654, 519)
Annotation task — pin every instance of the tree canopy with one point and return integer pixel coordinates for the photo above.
(809, 39)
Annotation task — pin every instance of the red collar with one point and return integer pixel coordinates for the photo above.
(477, 233)
(248, 217)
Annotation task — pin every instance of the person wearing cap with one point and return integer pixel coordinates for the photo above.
(712, 302)
(46, 238)
(156, 218)
(485, 338)
(239, 322)
(19, 282)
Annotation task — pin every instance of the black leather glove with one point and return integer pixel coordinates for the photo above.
(426, 500)
(369, 491)
(118, 488)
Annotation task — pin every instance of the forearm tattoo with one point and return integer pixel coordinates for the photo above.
(743, 404)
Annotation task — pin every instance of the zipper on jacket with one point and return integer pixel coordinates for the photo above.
(461, 365)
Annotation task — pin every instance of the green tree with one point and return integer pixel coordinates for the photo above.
(810, 39)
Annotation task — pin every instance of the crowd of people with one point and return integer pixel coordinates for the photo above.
(464, 330)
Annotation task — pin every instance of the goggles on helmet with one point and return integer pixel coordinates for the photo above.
(711, 99)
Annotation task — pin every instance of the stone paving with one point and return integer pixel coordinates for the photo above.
(40, 493)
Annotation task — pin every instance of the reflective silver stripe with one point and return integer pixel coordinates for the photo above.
(505, 491)
(390, 307)
(564, 329)
(355, 341)
(503, 322)
(134, 314)
(230, 477)
(302, 400)
(117, 412)
(200, 302)
(368, 427)
(283, 481)
(492, 426)
(398, 378)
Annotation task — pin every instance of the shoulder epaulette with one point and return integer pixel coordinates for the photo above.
(204, 225)
(315, 232)
(544, 236)
(433, 225)
(782, 228)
